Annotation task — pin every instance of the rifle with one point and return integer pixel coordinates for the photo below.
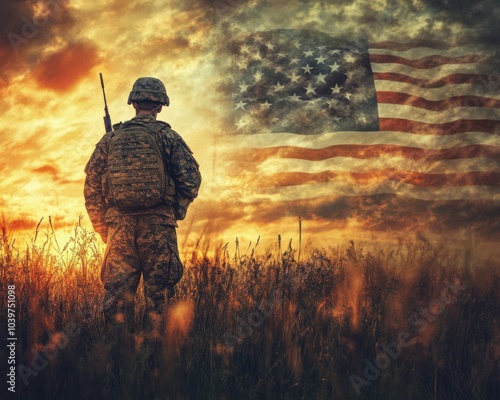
(107, 118)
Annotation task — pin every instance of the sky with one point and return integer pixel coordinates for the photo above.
(51, 53)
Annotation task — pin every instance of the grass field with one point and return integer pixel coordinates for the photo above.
(414, 322)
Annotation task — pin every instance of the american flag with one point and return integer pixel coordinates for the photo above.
(331, 124)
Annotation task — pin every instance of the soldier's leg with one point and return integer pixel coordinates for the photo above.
(162, 269)
(121, 273)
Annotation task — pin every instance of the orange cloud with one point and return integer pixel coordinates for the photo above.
(54, 173)
(62, 70)
(47, 169)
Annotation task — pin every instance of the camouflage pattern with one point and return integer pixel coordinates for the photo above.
(136, 174)
(141, 241)
(137, 246)
(148, 88)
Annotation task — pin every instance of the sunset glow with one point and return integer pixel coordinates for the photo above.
(53, 50)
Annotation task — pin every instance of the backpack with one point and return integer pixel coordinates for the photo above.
(135, 175)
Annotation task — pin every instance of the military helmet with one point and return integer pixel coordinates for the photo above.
(148, 88)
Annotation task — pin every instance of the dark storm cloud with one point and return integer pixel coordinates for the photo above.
(426, 19)
(26, 28)
(478, 16)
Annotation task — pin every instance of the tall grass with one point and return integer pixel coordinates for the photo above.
(248, 325)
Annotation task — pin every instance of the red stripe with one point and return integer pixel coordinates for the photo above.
(413, 178)
(434, 83)
(426, 62)
(368, 151)
(418, 43)
(447, 128)
(438, 105)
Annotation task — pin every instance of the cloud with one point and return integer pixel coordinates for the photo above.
(63, 69)
(54, 173)
(27, 28)
(47, 169)
(383, 214)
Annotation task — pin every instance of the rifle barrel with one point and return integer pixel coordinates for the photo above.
(107, 118)
(103, 92)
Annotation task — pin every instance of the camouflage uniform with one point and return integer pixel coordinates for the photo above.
(141, 241)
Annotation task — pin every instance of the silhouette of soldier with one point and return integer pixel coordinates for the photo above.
(140, 180)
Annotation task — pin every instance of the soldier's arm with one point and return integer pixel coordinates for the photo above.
(185, 173)
(93, 192)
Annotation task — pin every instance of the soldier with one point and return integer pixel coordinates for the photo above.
(140, 180)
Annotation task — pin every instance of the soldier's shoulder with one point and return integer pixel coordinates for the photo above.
(166, 129)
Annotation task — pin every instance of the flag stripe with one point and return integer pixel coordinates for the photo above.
(421, 115)
(427, 44)
(416, 53)
(369, 151)
(440, 93)
(397, 138)
(312, 191)
(438, 82)
(442, 70)
(436, 105)
(446, 128)
(347, 164)
(378, 176)
(425, 62)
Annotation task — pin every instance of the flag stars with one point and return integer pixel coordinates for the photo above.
(307, 69)
(294, 97)
(320, 60)
(335, 89)
(278, 87)
(297, 44)
(241, 123)
(243, 87)
(258, 39)
(334, 67)
(334, 52)
(310, 89)
(256, 56)
(241, 104)
(294, 78)
(266, 105)
(242, 64)
(258, 76)
(308, 53)
(269, 45)
(349, 58)
(333, 103)
(321, 78)
(294, 61)
(244, 48)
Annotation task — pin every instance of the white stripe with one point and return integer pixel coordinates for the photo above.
(386, 110)
(319, 141)
(436, 94)
(421, 52)
(272, 166)
(434, 73)
(333, 190)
